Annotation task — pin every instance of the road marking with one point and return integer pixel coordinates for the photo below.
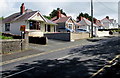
(35, 55)
(117, 56)
(19, 72)
(34, 67)
(63, 57)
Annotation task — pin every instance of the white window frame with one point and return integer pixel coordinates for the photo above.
(70, 25)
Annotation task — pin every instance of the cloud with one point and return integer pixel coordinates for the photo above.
(61, 0)
(101, 9)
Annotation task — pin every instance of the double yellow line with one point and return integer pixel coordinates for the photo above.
(117, 56)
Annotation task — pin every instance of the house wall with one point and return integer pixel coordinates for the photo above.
(37, 17)
(42, 25)
(52, 28)
(15, 27)
(71, 22)
(84, 27)
(60, 25)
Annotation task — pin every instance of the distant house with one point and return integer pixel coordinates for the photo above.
(86, 24)
(99, 24)
(64, 22)
(33, 20)
(109, 23)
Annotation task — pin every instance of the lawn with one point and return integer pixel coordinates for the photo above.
(4, 37)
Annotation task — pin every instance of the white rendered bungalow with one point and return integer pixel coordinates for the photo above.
(33, 21)
(86, 24)
(109, 23)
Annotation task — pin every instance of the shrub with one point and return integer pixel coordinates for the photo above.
(4, 37)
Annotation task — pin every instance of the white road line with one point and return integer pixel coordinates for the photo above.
(63, 57)
(118, 56)
(19, 72)
(34, 67)
(35, 55)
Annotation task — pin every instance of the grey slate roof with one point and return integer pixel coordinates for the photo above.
(50, 22)
(18, 17)
(23, 17)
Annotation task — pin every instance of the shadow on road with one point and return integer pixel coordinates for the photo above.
(70, 68)
(51, 69)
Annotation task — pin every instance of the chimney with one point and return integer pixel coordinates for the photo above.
(22, 9)
(80, 18)
(58, 13)
(107, 17)
(95, 20)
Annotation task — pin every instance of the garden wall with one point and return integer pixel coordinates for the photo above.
(13, 45)
(67, 36)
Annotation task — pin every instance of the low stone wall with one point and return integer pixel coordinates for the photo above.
(77, 36)
(67, 36)
(13, 45)
(102, 33)
(58, 36)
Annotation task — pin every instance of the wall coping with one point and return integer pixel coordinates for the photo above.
(10, 40)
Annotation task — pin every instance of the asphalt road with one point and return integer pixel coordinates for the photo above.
(80, 61)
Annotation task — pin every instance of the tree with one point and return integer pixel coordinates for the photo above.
(54, 12)
(48, 17)
(1, 18)
(86, 15)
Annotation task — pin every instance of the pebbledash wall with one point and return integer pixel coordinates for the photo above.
(67, 36)
(12, 45)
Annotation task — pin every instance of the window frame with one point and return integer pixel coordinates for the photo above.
(7, 26)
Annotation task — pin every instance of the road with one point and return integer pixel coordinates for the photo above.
(74, 61)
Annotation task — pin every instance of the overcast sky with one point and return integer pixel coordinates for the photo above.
(72, 8)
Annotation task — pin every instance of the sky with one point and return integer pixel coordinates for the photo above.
(72, 8)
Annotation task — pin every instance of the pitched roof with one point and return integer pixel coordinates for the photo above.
(18, 17)
(50, 22)
(28, 13)
(98, 23)
(85, 21)
(61, 20)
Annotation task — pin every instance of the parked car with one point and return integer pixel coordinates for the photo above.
(81, 30)
(65, 30)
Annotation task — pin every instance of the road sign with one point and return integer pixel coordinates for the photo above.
(22, 28)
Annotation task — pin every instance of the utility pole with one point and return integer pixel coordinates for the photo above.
(92, 19)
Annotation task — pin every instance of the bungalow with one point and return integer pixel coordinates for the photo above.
(64, 22)
(109, 23)
(33, 21)
(86, 24)
(99, 24)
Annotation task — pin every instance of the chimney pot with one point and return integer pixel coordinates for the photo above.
(22, 9)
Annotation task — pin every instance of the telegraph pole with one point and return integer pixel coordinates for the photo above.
(92, 19)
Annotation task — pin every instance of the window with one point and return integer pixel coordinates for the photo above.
(7, 26)
(34, 25)
(70, 25)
